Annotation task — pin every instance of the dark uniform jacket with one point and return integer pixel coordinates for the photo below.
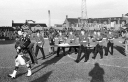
(24, 42)
(83, 39)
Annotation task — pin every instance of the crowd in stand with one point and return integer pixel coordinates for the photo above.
(11, 34)
(8, 34)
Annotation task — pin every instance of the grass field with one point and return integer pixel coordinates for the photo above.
(63, 68)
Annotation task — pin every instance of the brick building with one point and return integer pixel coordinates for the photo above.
(32, 26)
(108, 22)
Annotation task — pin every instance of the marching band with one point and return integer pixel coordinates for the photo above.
(85, 42)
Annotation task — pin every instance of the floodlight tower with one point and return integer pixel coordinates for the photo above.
(83, 13)
(83, 10)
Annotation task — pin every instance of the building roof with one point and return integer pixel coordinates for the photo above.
(106, 18)
(72, 20)
(75, 20)
(8, 28)
(58, 25)
(30, 24)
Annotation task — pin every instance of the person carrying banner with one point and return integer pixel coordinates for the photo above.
(83, 40)
(39, 44)
(61, 39)
(126, 43)
(72, 39)
(22, 57)
(51, 42)
(98, 48)
(110, 43)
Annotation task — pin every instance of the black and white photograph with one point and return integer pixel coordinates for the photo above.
(63, 40)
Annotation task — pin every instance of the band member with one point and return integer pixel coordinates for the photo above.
(18, 38)
(22, 58)
(83, 40)
(110, 43)
(61, 39)
(30, 46)
(94, 39)
(51, 42)
(39, 44)
(126, 43)
(72, 38)
(31, 52)
(98, 48)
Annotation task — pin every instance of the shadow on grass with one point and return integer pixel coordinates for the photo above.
(48, 56)
(7, 42)
(47, 63)
(44, 64)
(97, 73)
(43, 78)
(120, 49)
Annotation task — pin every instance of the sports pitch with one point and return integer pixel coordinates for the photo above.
(63, 68)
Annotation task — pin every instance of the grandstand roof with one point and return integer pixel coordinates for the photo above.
(30, 24)
(72, 20)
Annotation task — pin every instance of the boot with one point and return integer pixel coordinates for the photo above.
(13, 75)
(29, 73)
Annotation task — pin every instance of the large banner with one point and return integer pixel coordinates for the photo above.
(113, 24)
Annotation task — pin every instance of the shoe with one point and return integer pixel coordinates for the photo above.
(36, 62)
(69, 53)
(10, 75)
(57, 56)
(111, 53)
(85, 60)
(75, 52)
(101, 58)
(76, 61)
(93, 57)
(29, 73)
(105, 55)
(43, 58)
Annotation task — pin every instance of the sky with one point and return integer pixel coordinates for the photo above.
(37, 10)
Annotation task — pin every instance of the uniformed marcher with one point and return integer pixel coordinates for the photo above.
(51, 42)
(30, 46)
(39, 44)
(22, 58)
(94, 39)
(126, 43)
(98, 48)
(72, 39)
(110, 43)
(18, 38)
(83, 40)
(61, 39)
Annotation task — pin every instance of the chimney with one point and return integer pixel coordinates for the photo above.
(122, 16)
(49, 17)
(12, 23)
(66, 16)
(78, 21)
